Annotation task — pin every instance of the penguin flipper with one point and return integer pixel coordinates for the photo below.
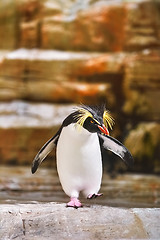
(113, 145)
(44, 151)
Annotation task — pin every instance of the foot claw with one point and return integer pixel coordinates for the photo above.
(94, 195)
(75, 203)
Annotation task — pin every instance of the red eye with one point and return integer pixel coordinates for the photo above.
(91, 121)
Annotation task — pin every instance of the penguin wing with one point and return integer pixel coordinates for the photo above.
(113, 145)
(44, 151)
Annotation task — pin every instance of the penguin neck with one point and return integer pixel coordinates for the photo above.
(79, 134)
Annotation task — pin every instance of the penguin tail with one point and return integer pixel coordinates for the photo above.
(44, 151)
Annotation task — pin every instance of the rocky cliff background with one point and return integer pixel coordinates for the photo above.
(57, 54)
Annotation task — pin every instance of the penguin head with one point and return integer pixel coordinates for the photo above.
(94, 119)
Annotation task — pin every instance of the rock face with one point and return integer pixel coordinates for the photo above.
(26, 127)
(86, 25)
(55, 76)
(141, 83)
(147, 137)
(39, 221)
(87, 52)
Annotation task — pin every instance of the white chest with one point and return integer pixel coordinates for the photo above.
(78, 158)
(78, 147)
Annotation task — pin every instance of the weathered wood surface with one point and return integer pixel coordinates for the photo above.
(55, 221)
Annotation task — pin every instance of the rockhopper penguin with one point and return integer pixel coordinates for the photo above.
(79, 141)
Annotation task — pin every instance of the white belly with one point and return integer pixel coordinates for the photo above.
(79, 161)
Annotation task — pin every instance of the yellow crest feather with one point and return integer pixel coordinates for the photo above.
(82, 115)
(108, 119)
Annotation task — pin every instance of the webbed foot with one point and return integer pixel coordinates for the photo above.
(74, 202)
(94, 195)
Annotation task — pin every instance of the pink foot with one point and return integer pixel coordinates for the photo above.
(75, 203)
(94, 195)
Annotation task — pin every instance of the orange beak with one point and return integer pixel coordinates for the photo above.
(104, 130)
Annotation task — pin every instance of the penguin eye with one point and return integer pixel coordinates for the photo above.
(91, 121)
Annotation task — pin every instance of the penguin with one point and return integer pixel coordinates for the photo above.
(79, 143)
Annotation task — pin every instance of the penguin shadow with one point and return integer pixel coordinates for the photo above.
(90, 203)
(112, 165)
